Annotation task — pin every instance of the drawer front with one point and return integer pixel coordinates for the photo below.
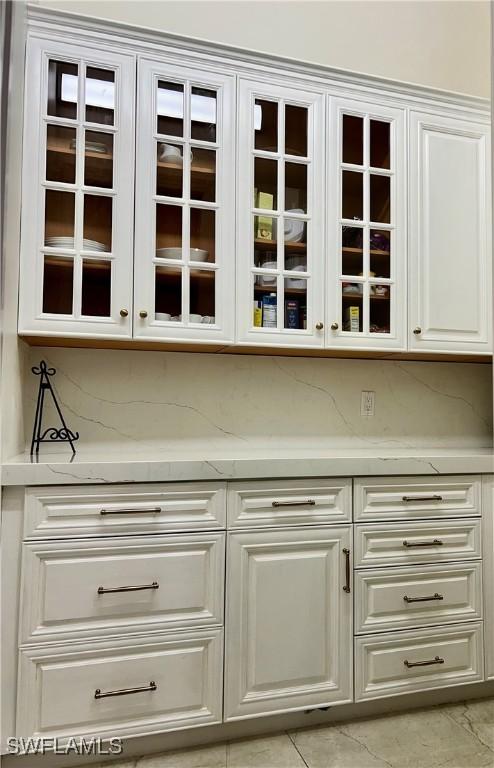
(172, 682)
(421, 542)
(409, 498)
(63, 512)
(408, 662)
(97, 587)
(295, 502)
(417, 596)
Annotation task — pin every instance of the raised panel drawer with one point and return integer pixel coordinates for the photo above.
(435, 658)
(60, 512)
(417, 596)
(293, 502)
(409, 498)
(421, 542)
(100, 587)
(178, 680)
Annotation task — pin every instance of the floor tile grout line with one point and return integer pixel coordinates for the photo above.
(297, 750)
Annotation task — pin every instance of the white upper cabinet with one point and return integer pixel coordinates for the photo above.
(450, 243)
(280, 264)
(78, 180)
(185, 193)
(366, 234)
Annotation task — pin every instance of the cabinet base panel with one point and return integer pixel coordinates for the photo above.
(233, 349)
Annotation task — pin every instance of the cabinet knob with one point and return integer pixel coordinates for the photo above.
(417, 331)
(334, 326)
(124, 313)
(143, 313)
(319, 326)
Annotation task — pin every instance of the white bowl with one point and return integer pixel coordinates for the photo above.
(165, 316)
(198, 254)
(169, 253)
(195, 318)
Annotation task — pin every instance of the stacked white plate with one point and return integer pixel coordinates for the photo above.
(68, 242)
(294, 228)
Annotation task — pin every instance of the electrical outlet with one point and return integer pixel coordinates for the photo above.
(367, 403)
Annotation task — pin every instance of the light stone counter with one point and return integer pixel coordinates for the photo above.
(186, 463)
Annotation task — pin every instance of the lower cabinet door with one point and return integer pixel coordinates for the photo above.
(418, 660)
(121, 687)
(289, 621)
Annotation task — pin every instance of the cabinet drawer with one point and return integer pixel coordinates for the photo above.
(421, 542)
(417, 596)
(292, 502)
(74, 589)
(407, 662)
(409, 498)
(96, 510)
(180, 676)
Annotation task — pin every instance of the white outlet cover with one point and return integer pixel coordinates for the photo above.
(367, 403)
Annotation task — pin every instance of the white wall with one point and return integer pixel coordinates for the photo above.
(438, 43)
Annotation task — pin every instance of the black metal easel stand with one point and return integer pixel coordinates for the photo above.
(51, 434)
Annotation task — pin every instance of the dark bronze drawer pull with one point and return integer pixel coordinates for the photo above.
(301, 503)
(125, 691)
(138, 588)
(434, 497)
(435, 596)
(433, 543)
(151, 510)
(346, 552)
(435, 660)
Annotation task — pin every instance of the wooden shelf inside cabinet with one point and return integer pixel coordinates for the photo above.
(373, 251)
(63, 147)
(359, 297)
(271, 245)
(288, 291)
(68, 261)
(199, 169)
(197, 272)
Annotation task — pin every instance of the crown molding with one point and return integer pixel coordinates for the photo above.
(146, 42)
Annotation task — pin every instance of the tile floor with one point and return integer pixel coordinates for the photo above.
(446, 736)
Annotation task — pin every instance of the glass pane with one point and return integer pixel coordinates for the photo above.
(352, 310)
(380, 197)
(265, 306)
(379, 144)
(62, 89)
(352, 256)
(168, 294)
(380, 309)
(96, 288)
(59, 219)
(353, 140)
(380, 253)
(58, 280)
(295, 130)
(100, 95)
(60, 154)
(295, 245)
(169, 231)
(202, 235)
(295, 303)
(265, 183)
(170, 106)
(295, 188)
(169, 175)
(266, 125)
(97, 223)
(203, 175)
(202, 296)
(352, 196)
(203, 114)
(98, 160)
(265, 230)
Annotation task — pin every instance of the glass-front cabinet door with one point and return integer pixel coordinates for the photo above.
(280, 268)
(367, 242)
(77, 223)
(185, 229)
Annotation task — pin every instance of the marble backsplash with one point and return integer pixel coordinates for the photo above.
(140, 400)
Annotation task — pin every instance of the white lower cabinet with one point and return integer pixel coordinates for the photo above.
(418, 660)
(130, 686)
(289, 621)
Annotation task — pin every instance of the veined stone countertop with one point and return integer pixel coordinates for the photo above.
(182, 464)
